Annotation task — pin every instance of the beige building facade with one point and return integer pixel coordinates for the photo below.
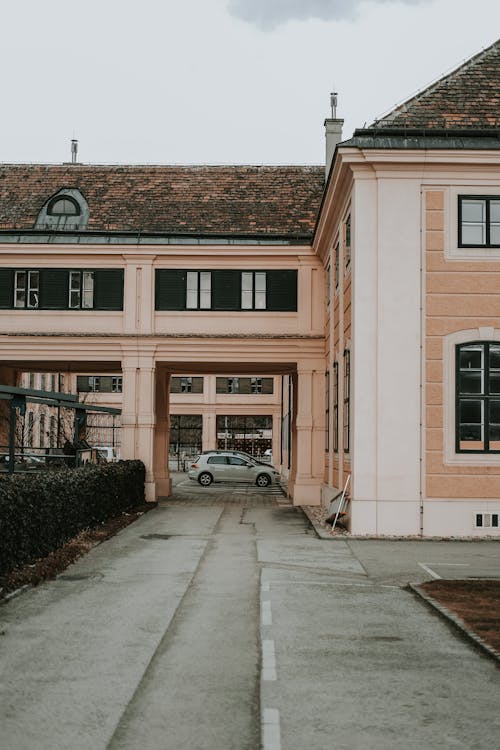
(372, 301)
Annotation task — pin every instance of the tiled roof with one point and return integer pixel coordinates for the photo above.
(233, 200)
(467, 98)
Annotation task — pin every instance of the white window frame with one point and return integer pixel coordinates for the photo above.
(253, 290)
(198, 290)
(81, 290)
(452, 251)
(30, 285)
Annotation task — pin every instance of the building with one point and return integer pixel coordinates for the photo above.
(372, 300)
(146, 273)
(410, 231)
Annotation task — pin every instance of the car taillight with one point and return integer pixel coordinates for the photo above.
(194, 466)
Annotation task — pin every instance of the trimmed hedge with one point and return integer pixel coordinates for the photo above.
(41, 512)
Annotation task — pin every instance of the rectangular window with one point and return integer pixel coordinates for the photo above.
(198, 290)
(347, 399)
(117, 384)
(478, 221)
(347, 242)
(327, 411)
(327, 285)
(478, 398)
(26, 289)
(81, 290)
(256, 385)
(253, 290)
(335, 407)
(336, 262)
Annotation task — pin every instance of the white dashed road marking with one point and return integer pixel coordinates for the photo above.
(271, 736)
(266, 616)
(268, 661)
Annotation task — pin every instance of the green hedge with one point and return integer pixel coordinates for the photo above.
(41, 512)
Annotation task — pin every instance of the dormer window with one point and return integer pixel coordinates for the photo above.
(63, 206)
(66, 211)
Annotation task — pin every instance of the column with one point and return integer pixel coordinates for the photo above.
(162, 434)
(308, 435)
(138, 414)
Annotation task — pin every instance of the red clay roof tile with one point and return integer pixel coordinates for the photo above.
(274, 200)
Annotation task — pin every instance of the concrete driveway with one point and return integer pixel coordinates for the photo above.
(220, 621)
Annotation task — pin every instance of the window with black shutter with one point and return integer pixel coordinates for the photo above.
(54, 289)
(170, 289)
(6, 288)
(282, 291)
(226, 290)
(108, 289)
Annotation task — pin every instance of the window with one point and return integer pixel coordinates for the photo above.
(198, 290)
(253, 290)
(81, 290)
(479, 221)
(256, 385)
(347, 241)
(336, 262)
(117, 384)
(347, 397)
(99, 383)
(233, 385)
(66, 211)
(327, 410)
(217, 460)
(63, 206)
(43, 383)
(26, 289)
(327, 285)
(252, 385)
(335, 407)
(32, 380)
(186, 385)
(478, 398)
(177, 289)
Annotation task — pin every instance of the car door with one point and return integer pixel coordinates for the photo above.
(239, 470)
(217, 466)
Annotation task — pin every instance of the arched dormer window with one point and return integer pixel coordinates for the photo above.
(63, 206)
(67, 211)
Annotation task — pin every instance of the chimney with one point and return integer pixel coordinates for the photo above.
(333, 133)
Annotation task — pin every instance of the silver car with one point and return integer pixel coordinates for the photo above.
(226, 467)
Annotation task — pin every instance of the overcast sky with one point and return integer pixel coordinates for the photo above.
(217, 81)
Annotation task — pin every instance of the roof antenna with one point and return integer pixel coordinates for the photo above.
(333, 104)
(74, 150)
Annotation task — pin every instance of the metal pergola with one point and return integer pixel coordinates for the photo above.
(19, 397)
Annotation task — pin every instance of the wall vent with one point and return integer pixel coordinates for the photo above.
(486, 520)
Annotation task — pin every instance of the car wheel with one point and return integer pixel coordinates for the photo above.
(205, 479)
(262, 480)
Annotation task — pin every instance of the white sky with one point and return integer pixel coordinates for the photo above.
(217, 81)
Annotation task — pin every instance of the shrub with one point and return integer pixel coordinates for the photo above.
(41, 512)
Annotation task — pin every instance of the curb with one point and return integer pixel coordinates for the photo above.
(456, 622)
(320, 532)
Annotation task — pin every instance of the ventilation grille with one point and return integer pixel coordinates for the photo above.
(486, 520)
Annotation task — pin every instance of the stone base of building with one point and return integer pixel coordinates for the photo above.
(306, 492)
(449, 517)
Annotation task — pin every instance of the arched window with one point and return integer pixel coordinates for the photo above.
(63, 206)
(65, 211)
(478, 397)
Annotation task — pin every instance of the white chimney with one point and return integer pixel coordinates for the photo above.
(333, 133)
